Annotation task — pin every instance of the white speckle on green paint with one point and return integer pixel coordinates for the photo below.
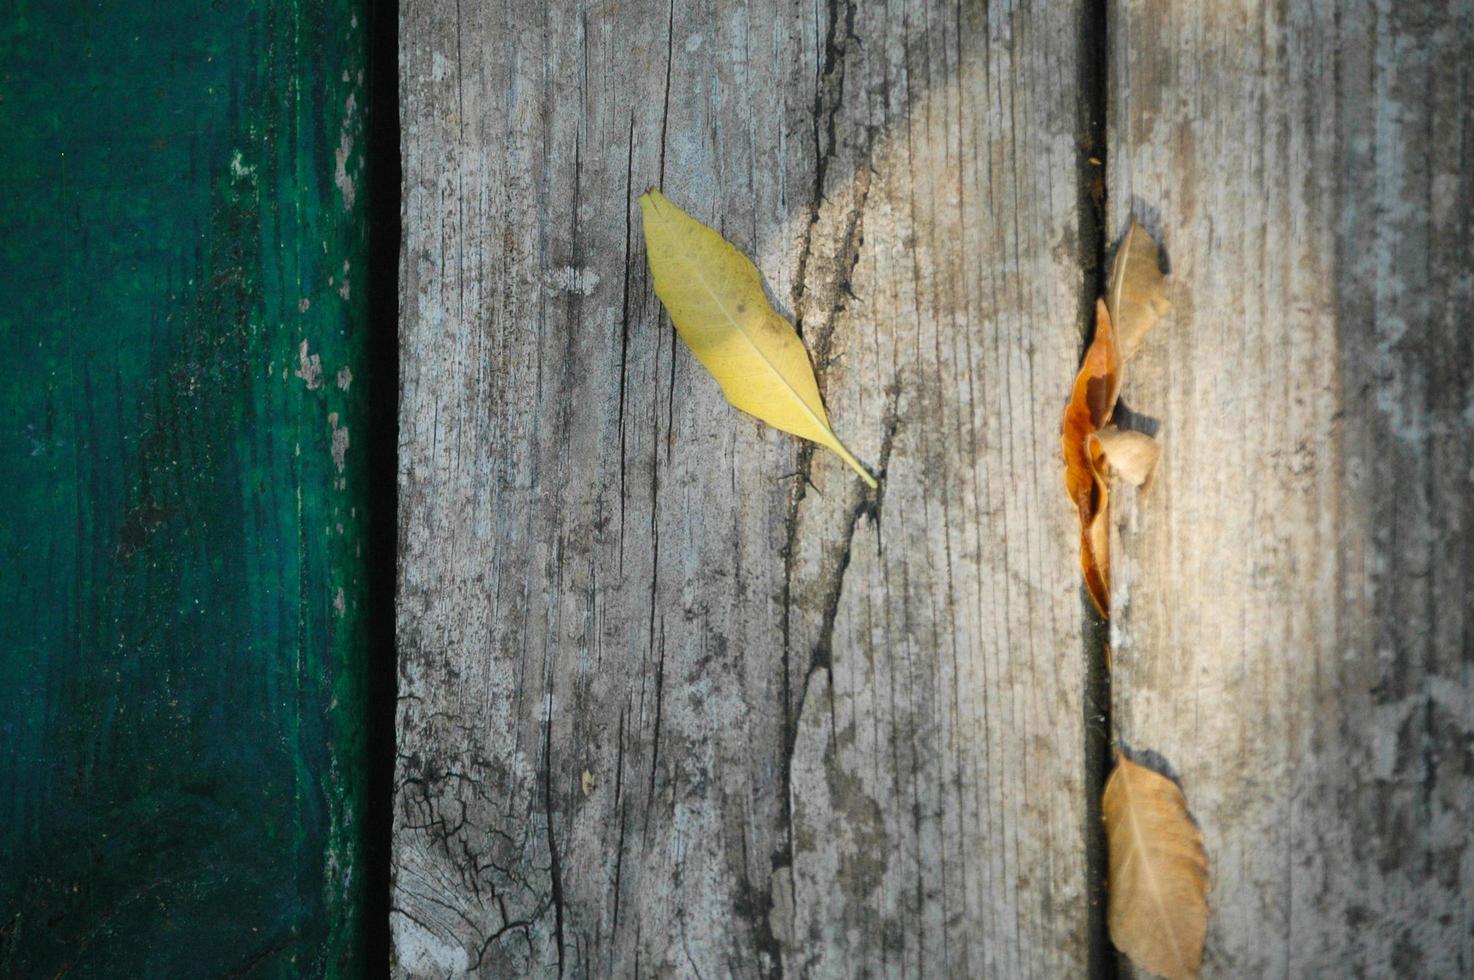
(340, 441)
(345, 377)
(238, 168)
(340, 156)
(304, 304)
(340, 603)
(309, 367)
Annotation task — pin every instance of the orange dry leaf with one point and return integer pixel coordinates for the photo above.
(1097, 386)
(1135, 300)
(1095, 537)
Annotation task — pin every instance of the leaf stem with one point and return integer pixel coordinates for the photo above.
(855, 464)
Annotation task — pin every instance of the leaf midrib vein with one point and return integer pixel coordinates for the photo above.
(1140, 845)
(1118, 281)
(697, 275)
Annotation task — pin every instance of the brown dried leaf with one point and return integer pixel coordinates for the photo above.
(1138, 291)
(1157, 875)
(1095, 534)
(1131, 455)
(1092, 401)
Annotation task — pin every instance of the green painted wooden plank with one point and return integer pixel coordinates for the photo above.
(182, 484)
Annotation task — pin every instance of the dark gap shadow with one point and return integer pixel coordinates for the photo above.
(380, 566)
(1091, 181)
(1096, 703)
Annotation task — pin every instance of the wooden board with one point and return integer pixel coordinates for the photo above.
(182, 588)
(679, 697)
(1296, 632)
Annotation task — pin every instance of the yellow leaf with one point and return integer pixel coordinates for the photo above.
(1133, 455)
(1157, 874)
(1138, 290)
(714, 296)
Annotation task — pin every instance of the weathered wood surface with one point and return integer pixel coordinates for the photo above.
(667, 708)
(1295, 632)
(183, 490)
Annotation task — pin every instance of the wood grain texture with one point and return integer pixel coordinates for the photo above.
(1295, 631)
(678, 696)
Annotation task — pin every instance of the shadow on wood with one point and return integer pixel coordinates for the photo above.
(663, 708)
(1295, 629)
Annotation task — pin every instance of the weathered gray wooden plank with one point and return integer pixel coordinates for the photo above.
(1294, 630)
(665, 707)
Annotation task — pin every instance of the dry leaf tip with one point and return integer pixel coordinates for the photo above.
(1137, 295)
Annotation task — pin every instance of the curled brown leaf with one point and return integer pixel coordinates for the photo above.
(1138, 291)
(1135, 300)
(1095, 533)
(1131, 455)
(1092, 400)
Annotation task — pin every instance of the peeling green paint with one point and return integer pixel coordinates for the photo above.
(182, 698)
